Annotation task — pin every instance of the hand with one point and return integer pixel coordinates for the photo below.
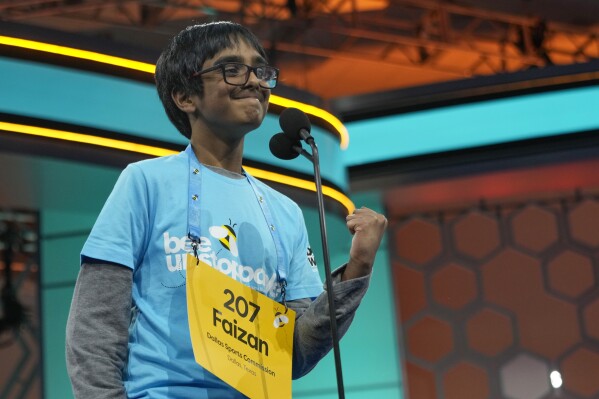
(368, 228)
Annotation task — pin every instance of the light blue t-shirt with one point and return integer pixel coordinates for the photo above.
(143, 225)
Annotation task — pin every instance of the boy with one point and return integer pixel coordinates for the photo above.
(127, 334)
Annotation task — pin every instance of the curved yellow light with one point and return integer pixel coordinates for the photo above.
(150, 68)
(304, 184)
(76, 53)
(158, 151)
(85, 138)
(317, 112)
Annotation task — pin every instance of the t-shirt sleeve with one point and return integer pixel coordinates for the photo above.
(119, 233)
(303, 279)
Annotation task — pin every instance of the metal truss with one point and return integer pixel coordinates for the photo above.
(429, 34)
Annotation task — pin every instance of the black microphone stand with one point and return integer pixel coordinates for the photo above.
(314, 158)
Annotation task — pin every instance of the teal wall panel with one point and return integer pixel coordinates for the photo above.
(60, 262)
(61, 223)
(55, 185)
(63, 234)
(471, 125)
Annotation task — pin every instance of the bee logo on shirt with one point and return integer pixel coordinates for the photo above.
(227, 236)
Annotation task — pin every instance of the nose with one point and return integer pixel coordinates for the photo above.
(253, 79)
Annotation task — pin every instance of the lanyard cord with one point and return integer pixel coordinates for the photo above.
(193, 217)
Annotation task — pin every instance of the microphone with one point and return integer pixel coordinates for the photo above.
(286, 148)
(282, 146)
(296, 125)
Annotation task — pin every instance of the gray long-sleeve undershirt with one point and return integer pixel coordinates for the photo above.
(98, 327)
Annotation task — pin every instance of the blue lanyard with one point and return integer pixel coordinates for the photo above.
(193, 214)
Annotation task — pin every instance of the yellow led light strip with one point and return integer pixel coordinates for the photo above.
(304, 184)
(85, 138)
(157, 151)
(150, 68)
(317, 112)
(76, 53)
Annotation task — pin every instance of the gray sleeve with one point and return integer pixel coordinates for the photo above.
(98, 330)
(312, 337)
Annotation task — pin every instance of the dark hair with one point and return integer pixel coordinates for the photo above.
(186, 54)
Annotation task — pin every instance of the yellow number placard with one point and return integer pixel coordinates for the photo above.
(238, 334)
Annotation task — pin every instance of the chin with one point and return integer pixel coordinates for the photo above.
(253, 125)
(254, 117)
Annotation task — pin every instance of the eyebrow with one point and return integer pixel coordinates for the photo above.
(235, 58)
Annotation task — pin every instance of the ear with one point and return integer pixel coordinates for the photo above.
(184, 102)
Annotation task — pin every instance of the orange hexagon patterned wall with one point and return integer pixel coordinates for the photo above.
(493, 299)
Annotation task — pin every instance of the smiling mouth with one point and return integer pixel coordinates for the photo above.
(249, 98)
(244, 95)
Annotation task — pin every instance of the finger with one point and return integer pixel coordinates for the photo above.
(353, 226)
(362, 212)
(351, 223)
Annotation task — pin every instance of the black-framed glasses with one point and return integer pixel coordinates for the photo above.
(238, 74)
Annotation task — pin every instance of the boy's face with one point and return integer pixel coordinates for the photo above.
(227, 109)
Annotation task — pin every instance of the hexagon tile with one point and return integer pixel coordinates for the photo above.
(454, 286)
(489, 332)
(430, 339)
(584, 223)
(580, 371)
(476, 235)
(534, 228)
(418, 241)
(411, 284)
(465, 380)
(571, 274)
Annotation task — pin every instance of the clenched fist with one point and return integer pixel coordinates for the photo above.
(368, 228)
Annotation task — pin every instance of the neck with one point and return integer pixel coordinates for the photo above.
(219, 153)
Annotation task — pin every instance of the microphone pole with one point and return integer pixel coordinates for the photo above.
(287, 145)
(327, 269)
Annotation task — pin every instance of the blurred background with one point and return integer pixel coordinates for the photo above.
(473, 125)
